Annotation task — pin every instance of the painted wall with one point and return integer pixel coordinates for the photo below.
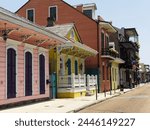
(20, 75)
(105, 76)
(86, 27)
(115, 75)
(56, 67)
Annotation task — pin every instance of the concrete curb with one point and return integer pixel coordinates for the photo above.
(107, 98)
(94, 103)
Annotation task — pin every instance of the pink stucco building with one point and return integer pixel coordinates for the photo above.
(24, 59)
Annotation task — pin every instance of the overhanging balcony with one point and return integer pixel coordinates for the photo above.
(109, 53)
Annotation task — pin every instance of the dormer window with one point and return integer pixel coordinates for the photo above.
(30, 15)
(88, 13)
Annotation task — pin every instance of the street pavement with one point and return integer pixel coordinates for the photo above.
(66, 105)
(137, 101)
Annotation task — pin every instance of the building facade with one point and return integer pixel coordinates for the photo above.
(24, 59)
(129, 52)
(83, 16)
(68, 62)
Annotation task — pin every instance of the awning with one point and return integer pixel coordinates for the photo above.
(76, 49)
(22, 30)
(107, 26)
(119, 61)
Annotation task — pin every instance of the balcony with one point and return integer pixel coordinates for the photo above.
(109, 53)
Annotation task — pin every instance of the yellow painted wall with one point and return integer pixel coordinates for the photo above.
(75, 36)
(115, 75)
(53, 61)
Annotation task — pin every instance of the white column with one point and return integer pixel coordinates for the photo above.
(73, 80)
(79, 76)
(88, 81)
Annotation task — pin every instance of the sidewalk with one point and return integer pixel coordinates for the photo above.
(64, 105)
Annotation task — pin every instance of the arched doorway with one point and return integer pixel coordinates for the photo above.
(76, 67)
(69, 66)
(42, 73)
(11, 73)
(28, 74)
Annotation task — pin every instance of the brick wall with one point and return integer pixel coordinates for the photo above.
(86, 27)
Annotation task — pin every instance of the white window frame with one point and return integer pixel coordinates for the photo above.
(56, 11)
(33, 14)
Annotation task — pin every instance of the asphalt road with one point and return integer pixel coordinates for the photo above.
(135, 101)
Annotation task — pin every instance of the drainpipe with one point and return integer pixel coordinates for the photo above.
(110, 78)
(98, 48)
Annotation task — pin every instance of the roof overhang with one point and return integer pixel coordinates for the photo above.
(107, 26)
(23, 30)
(127, 44)
(119, 61)
(131, 32)
(76, 49)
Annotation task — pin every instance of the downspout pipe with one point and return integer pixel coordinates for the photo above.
(98, 50)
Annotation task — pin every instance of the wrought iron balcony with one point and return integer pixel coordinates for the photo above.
(109, 53)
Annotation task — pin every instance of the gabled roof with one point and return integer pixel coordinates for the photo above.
(64, 29)
(64, 3)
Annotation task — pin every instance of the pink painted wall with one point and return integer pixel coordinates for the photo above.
(36, 72)
(2, 70)
(20, 89)
(20, 75)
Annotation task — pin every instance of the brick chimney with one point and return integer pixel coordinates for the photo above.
(50, 21)
(100, 18)
(80, 7)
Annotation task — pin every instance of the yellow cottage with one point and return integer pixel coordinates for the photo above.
(68, 62)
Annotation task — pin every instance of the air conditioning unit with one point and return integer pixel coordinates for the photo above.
(112, 45)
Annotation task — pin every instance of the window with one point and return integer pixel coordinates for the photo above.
(28, 74)
(53, 12)
(42, 73)
(88, 13)
(107, 41)
(30, 15)
(72, 35)
(102, 41)
(11, 73)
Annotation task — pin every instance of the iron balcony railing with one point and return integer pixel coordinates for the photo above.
(109, 52)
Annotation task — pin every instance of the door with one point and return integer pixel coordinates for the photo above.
(69, 66)
(28, 74)
(11, 73)
(76, 67)
(54, 85)
(69, 71)
(42, 73)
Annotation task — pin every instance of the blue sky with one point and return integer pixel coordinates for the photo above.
(123, 13)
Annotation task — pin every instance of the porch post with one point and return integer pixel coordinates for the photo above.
(73, 80)
(79, 76)
(84, 80)
(88, 81)
(96, 79)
